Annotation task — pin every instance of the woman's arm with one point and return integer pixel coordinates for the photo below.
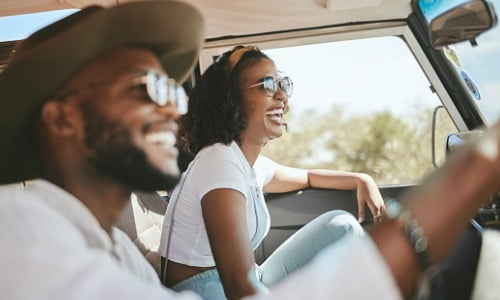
(224, 214)
(287, 179)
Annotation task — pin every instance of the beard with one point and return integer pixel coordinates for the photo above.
(114, 153)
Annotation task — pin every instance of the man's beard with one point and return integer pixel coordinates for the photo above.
(114, 153)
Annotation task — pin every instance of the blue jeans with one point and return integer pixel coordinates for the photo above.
(301, 247)
(294, 253)
(207, 284)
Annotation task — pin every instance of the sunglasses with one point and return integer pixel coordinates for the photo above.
(163, 90)
(271, 85)
(160, 89)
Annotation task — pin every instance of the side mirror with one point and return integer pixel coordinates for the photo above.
(456, 21)
(442, 125)
(458, 140)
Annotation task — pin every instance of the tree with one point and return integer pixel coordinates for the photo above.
(389, 148)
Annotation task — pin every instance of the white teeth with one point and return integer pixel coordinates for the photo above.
(275, 112)
(277, 118)
(165, 138)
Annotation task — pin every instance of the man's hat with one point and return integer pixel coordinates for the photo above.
(44, 61)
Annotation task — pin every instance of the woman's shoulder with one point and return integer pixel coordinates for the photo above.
(217, 150)
(217, 157)
(223, 161)
(217, 147)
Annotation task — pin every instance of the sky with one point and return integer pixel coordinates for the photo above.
(14, 28)
(390, 74)
(362, 76)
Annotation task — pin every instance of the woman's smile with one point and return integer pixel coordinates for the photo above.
(275, 115)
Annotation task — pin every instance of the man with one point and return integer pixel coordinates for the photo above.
(88, 116)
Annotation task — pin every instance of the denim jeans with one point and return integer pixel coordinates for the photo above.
(301, 247)
(207, 284)
(294, 253)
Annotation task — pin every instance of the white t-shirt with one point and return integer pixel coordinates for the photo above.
(216, 166)
(52, 247)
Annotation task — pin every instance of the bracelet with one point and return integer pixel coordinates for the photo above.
(412, 230)
(418, 240)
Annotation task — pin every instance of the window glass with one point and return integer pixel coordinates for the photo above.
(13, 28)
(478, 66)
(360, 105)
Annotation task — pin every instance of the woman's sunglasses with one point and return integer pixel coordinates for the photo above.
(271, 85)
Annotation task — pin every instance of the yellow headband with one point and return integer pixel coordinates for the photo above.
(235, 57)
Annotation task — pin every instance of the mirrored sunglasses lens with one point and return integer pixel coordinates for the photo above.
(269, 85)
(156, 88)
(286, 85)
(181, 100)
(162, 90)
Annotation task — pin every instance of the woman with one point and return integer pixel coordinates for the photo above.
(217, 215)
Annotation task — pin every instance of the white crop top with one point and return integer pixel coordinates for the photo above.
(216, 166)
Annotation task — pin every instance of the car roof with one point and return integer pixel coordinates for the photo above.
(241, 17)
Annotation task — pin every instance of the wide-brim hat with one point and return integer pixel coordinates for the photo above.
(44, 61)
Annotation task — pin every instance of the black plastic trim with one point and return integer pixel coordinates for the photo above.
(457, 92)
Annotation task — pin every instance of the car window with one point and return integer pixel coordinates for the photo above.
(19, 27)
(478, 67)
(360, 105)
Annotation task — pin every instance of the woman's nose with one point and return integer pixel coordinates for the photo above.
(281, 95)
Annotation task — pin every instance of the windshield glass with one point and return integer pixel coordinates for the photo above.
(478, 67)
(13, 28)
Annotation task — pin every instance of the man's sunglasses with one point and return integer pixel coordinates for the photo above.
(163, 90)
(271, 85)
(160, 89)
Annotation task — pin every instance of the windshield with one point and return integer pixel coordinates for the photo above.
(478, 67)
(13, 28)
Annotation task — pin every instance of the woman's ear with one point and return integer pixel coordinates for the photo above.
(59, 118)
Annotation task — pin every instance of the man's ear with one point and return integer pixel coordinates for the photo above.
(59, 118)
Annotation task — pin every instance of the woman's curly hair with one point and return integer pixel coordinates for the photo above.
(215, 108)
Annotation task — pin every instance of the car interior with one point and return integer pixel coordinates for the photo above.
(285, 23)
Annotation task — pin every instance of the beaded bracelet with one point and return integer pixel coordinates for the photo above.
(418, 240)
(412, 230)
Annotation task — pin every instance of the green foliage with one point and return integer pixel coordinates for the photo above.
(392, 149)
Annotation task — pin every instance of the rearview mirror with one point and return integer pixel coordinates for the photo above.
(456, 21)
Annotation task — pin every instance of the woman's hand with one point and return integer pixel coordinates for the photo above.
(369, 195)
